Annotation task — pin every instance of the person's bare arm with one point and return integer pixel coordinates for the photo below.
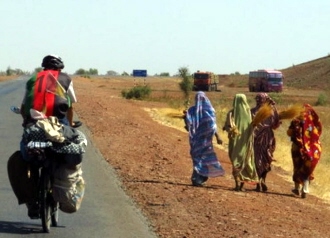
(219, 140)
(22, 109)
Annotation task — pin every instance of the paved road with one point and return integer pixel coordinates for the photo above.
(106, 211)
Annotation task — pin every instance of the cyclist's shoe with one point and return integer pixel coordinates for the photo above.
(77, 124)
(33, 210)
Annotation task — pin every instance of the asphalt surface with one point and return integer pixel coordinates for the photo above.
(106, 211)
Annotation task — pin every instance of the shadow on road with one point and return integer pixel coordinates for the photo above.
(19, 228)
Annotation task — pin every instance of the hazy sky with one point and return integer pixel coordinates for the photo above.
(162, 36)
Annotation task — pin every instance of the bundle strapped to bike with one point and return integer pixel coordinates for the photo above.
(45, 174)
(67, 149)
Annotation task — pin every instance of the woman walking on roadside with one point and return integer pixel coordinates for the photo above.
(201, 124)
(240, 133)
(264, 139)
(305, 132)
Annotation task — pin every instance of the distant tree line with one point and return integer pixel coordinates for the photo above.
(87, 72)
(10, 71)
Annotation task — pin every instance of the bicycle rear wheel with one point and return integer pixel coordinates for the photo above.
(45, 203)
(54, 213)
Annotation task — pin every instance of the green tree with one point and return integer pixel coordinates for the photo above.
(93, 72)
(112, 73)
(18, 71)
(124, 74)
(80, 72)
(164, 74)
(186, 84)
(9, 71)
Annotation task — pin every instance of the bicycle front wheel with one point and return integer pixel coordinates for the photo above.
(45, 203)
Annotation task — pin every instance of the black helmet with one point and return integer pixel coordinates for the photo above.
(52, 62)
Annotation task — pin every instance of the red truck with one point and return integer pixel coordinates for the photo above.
(205, 81)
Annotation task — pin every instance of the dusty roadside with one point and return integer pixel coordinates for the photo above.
(154, 165)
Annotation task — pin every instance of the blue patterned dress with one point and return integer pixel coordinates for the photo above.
(201, 124)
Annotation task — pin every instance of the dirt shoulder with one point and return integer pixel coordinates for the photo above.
(154, 165)
(5, 78)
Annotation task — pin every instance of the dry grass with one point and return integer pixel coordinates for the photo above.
(264, 112)
(291, 112)
(167, 116)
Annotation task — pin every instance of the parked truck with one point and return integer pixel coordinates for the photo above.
(205, 81)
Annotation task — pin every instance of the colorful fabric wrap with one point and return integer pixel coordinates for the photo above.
(202, 126)
(241, 144)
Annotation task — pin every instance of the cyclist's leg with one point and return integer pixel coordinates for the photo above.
(64, 121)
(23, 151)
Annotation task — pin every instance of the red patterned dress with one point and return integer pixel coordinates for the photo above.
(305, 133)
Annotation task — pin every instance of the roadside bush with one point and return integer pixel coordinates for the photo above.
(137, 92)
(321, 100)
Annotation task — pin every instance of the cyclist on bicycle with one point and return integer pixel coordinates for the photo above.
(48, 93)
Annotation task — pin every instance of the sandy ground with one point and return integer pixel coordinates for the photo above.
(153, 162)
